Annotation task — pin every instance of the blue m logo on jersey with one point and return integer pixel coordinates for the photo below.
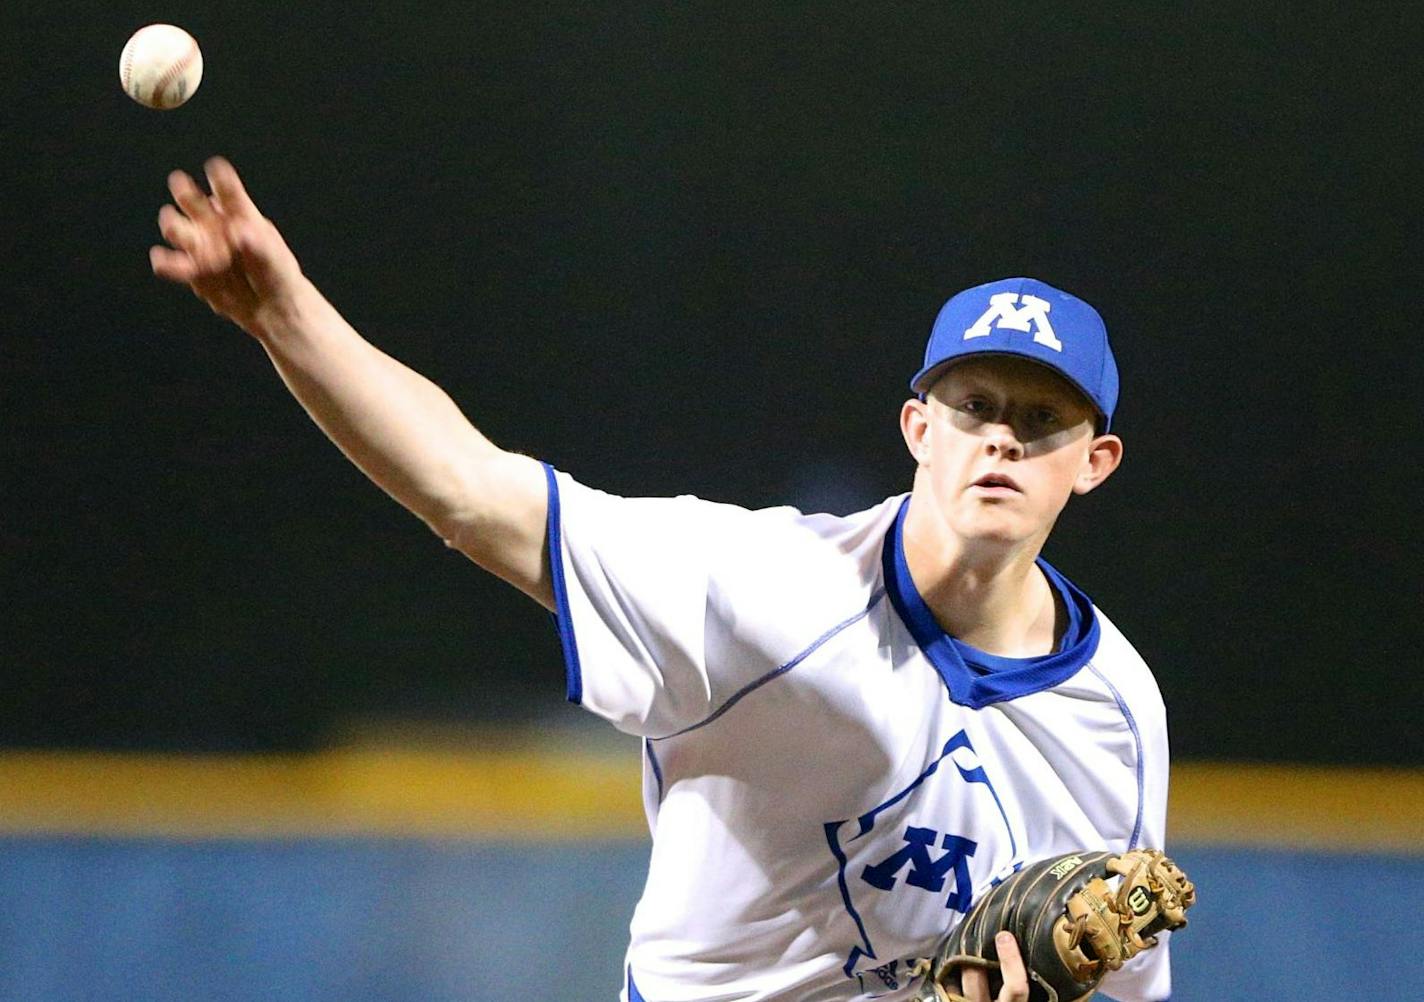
(927, 873)
(912, 855)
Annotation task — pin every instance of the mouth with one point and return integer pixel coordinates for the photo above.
(997, 483)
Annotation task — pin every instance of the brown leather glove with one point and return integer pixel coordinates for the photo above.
(1076, 917)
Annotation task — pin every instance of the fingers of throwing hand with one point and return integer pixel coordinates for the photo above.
(177, 229)
(170, 264)
(228, 189)
(190, 198)
(201, 248)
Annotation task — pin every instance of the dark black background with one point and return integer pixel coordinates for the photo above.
(697, 248)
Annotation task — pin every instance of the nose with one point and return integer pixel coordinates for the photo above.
(1003, 443)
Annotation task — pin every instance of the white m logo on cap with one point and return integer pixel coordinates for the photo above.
(1032, 315)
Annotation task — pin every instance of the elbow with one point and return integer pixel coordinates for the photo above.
(449, 505)
(464, 516)
(494, 512)
(457, 522)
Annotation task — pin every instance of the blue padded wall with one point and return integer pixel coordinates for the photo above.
(400, 920)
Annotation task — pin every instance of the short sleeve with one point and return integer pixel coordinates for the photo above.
(669, 607)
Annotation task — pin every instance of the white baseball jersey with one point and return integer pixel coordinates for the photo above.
(832, 781)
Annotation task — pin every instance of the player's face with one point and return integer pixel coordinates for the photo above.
(1002, 443)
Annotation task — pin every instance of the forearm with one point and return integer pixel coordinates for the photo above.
(398, 427)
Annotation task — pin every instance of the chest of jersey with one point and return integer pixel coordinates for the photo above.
(872, 808)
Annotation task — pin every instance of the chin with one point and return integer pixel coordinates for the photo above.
(993, 529)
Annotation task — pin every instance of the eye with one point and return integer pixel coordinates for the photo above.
(977, 406)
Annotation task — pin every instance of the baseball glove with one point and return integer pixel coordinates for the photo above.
(1072, 924)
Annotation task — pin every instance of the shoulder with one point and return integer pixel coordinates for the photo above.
(857, 533)
(1120, 665)
(809, 566)
(729, 529)
(769, 577)
(760, 549)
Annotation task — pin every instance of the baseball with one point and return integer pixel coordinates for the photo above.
(161, 66)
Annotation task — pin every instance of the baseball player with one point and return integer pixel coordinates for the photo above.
(853, 727)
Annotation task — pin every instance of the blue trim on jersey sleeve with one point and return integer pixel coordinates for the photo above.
(778, 672)
(563, 618)
(1137, 740)
(633, 995)
(991, 679)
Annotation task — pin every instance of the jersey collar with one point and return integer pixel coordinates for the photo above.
(979, 685)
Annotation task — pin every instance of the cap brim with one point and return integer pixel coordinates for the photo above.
(925, 379)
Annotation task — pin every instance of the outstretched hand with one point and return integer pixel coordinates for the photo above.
(225, 250)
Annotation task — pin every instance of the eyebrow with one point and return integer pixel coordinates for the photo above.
(1063, 398)
(1044, 391)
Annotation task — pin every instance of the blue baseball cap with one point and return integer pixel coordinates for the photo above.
(1029, 318)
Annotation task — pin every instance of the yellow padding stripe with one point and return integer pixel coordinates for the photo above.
(1351, 810)
(526, 793)
(378, 791)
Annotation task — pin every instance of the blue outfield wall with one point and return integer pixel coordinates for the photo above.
(336, 920)
(103, 919)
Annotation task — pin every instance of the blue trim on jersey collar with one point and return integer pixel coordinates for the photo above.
(986, 678)
(1080, 618)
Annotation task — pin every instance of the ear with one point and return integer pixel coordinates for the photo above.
(1104, 455)
(914, 426)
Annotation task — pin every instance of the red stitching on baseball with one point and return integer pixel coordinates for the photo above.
(172, 73)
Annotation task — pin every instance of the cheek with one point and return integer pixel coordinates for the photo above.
(950, 457)
(944, 483)
(949, 472)
(1061, 478)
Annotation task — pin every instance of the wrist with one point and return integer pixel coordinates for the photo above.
(283, 317)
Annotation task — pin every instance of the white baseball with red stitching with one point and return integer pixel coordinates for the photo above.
(161, 66)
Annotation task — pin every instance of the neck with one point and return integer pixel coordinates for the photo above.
(989, 594)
